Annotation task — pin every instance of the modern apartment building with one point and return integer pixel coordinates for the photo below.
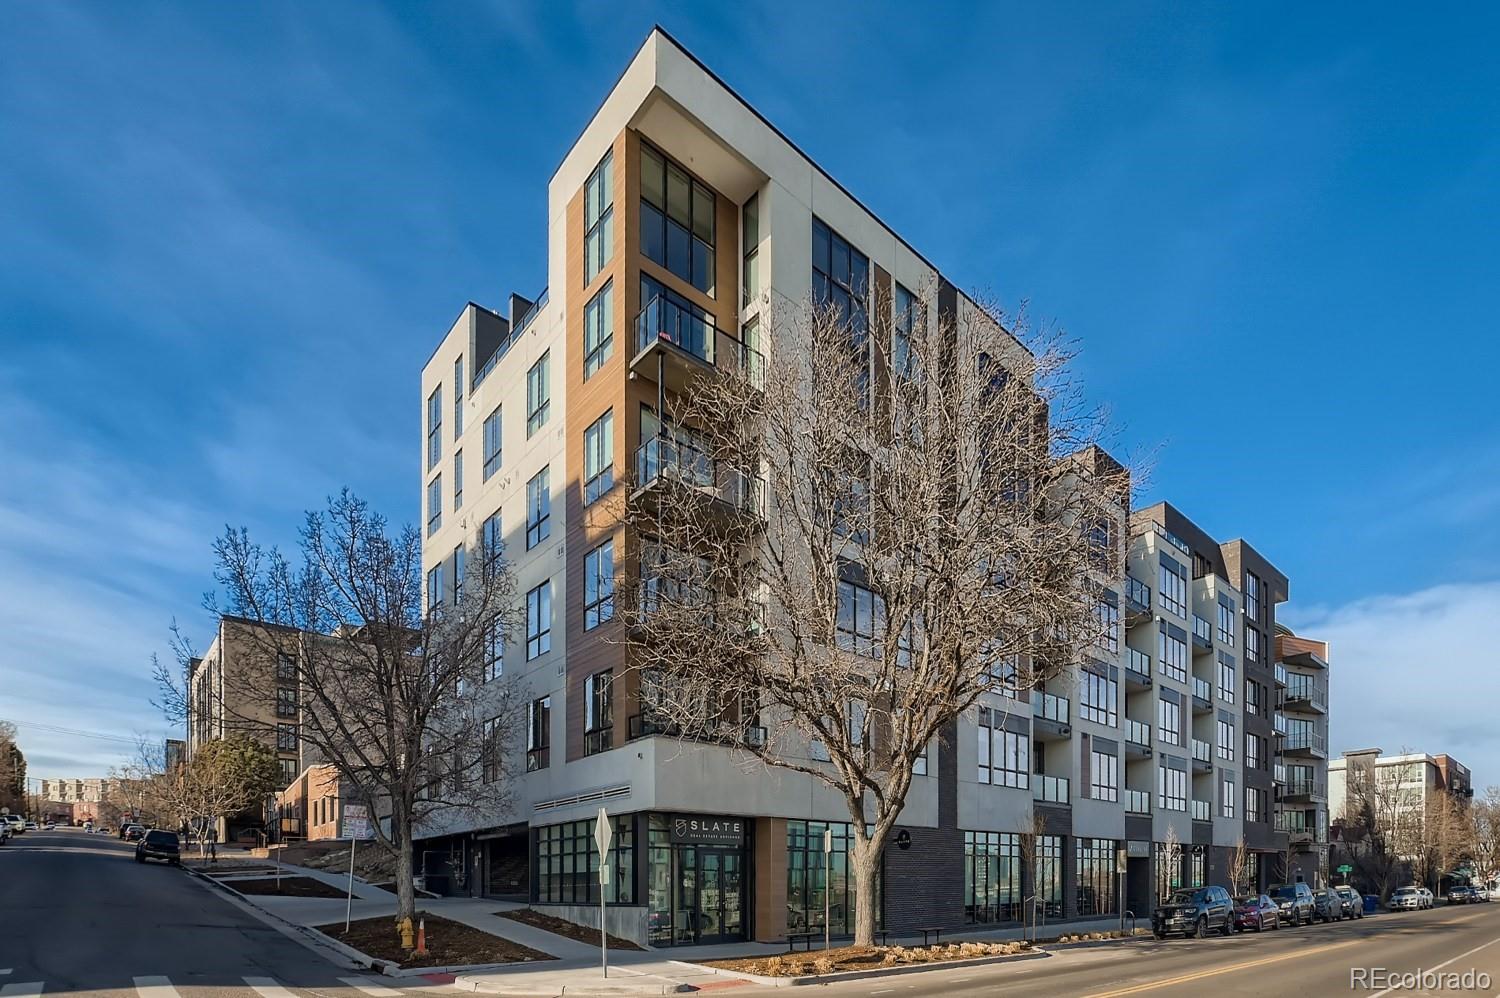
(1408, 781)
(1302, 767)
(233, 689)
(676, 218)
(91, 790)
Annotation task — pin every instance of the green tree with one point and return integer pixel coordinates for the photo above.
(228, 775)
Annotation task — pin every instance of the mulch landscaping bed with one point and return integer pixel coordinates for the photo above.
(449, 943)
(291, 887)
(562, 927)
(846, 958)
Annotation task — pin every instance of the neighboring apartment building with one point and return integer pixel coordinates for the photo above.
(1409, 780)
(174, 753)
(75, 791)
(1302, 766)
(675, 219)
(311, 807)
(233, 689)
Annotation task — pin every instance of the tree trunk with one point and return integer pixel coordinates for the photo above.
(406, 895)
(864, 863)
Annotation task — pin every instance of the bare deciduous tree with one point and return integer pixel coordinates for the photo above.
(1169, 877)
(405, 700)
(1239, 859)
(851, 544)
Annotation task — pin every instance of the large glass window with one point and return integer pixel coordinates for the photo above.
(1228, 684)
(1171, 789)
(805, 882)
(434, 427)
(598, 329)
(992, 877)
(539, 508)
(434, 586)
(906, 314)
(1108, 614)
(1226, 740)
(1172, 587)
(492, 455)
(458, 398)
(458, 479)
(538, 733)
(599, 585)
(598, 218)
(1227, 794)
(1047, 879)
(1252, 645)
(490, 763)
(599, 457)
(1004, 756)
(750, 222)
(1097, 698)
(491, 544)
(1104, 775)
(1252, 596)
(1255, 806)
(599, 712)
(568, 863)
(1096, 876)
(861, 620)
(538, 394)
(1169, 721)
(1173, 654)
(286, 702)
(841, 279)
(1226, 620)
(677, 220)
(539, 620)
(434, 504)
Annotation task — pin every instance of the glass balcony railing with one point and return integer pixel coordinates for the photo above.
(1050, 707)
(666, 458)
(1305, 740)
(1052, 789)
(1202, 751)
(1306, 688)
(1201, 810)
(663, 320)
(1138, 732)
(1138, 801)
(1305, 788)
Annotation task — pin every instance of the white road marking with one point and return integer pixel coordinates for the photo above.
(1445, 963)
(154, 987)
(31, 989)
(370, 987)
(267, 987)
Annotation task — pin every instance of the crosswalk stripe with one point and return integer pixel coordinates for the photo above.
(154, 987)
(371, 988)
(267, 987)
(31, 989)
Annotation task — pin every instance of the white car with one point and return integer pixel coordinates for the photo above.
(1427, 896)
(16, 822)
(32, 826)
(1408, 899)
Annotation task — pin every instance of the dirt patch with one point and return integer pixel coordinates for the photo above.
(449, 943)
(562, 927)
(291, 887)
(370, 864)
(845, 958)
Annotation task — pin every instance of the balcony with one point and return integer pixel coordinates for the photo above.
(1305, 792)
(1137, 801)
(669, 471)
(673, 347)
(1305, 743)
(1050, 789)
(1202, 810)
(1203, 696)
(1051, 717)
(1203, 635)
(1281, 674)
(1137, 601)
(1306, 694)
(1203, 756)
(1170, 538)
(1137, 739)
(1137, 669)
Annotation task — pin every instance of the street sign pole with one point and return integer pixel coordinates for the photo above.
(349, 901)
(1120, 865)
(356, 827)
(603, 832)
(827, 883)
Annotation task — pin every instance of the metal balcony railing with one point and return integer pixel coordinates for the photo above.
(1306, 740)
(1050, 789)
(1306, 688)
(665, 458)
(1170, 538)
(666, 321)
(1308, 788)
(1050, 706)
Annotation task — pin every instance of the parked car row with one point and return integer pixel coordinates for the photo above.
(1467, 894)
(1195, 912)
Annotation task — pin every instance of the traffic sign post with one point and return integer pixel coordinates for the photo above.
(356, 827)
(603, 833)
(1346, 869)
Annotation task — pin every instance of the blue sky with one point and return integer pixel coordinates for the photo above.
(230, 236)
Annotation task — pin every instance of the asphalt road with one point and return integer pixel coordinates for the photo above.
(1315, 961)
(78, 915)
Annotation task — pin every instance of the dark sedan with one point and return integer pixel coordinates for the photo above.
(1256, 911)
(1328, 906)
(1462, 894)
(157, 844)
(1354, 902)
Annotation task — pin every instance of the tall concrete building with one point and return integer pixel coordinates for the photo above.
(1302, 764)
(1409, 779)
(674, 221)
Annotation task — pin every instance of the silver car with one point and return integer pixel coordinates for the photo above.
(1408, 899)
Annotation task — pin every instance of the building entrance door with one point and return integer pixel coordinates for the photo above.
(708, 906)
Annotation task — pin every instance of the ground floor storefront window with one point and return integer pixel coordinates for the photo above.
(1096, 876)
(567, 863)
(805, 884)
(1198, 867)
(1048, 878)
(696, 876)
(992, 877)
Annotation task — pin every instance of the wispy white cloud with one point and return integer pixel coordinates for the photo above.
(1415, 670)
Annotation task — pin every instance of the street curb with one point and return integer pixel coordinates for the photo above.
(861, 975)
(306, 935)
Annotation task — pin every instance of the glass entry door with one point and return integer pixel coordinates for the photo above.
(720, 896)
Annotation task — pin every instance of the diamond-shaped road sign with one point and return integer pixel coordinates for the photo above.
(603, 833)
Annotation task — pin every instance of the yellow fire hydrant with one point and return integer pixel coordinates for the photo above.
(403, 926)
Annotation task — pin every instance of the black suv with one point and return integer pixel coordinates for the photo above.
(1194, 912)
(157, 844)
(1296, 903)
